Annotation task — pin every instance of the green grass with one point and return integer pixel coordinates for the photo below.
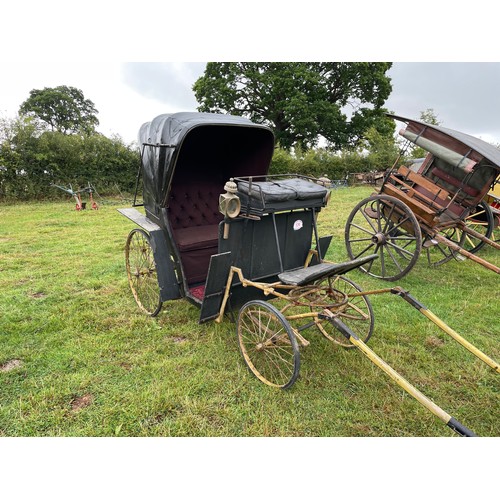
(91, 364)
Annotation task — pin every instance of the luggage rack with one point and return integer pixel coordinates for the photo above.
(278, 193)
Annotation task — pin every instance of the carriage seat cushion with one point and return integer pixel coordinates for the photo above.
(197, 237)
(283, 190)
(305, 275)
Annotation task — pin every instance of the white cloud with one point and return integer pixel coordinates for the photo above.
(463, 95)
(124, 103)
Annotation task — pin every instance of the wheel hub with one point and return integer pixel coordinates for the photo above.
(379, 239)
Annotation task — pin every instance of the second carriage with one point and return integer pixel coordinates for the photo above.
(438, 207)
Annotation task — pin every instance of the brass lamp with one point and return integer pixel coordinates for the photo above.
(229, 204)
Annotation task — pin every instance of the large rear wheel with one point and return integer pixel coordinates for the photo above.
(141, 272)
(386, 226)
(268, 344)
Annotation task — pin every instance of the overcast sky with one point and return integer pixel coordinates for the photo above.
(465, 96)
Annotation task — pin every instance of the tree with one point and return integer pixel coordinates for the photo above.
(33, 158)
(430, 117)
(18, 149)
(382, 149)
(63, 108)
(301, 101)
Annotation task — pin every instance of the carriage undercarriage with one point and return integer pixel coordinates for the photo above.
(255, 256)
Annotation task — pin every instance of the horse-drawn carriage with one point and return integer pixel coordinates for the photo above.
(439, 207)
(222, 233)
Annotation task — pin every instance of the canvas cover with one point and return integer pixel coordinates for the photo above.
(464, 144)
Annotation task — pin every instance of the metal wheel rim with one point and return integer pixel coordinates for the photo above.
(268, 344)
(386, 226)
(141, 272)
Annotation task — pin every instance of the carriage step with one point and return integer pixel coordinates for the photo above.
(305, 275)
(140, 219)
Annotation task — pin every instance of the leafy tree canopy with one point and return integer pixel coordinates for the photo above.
(430, 117)
(63, 108)
(301, 101)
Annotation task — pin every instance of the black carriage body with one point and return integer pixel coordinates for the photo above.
(186, 160)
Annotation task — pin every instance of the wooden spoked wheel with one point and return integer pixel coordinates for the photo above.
(440, 253)
(268, 344)
(386, 226)
(355, 312)
(141, 272)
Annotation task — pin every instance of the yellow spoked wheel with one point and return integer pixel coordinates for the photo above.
(141, 272)
(354, 312)
(481, 221)
(268, 344)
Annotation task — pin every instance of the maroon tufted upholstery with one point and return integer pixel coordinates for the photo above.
(195, 204)
(194, 216)
(209, 155)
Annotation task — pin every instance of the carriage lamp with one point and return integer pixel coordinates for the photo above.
(229, 204)
(325, 182)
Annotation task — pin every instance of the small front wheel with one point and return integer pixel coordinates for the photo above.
(268, 344)
(355, 312)
(141, 272)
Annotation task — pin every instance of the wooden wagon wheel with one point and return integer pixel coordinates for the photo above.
(268, 344)
(386, 226)
(141, 272)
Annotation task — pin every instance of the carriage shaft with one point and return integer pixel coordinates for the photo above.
(479, 236)
(457, 248)
(452, 333)
(443, 326)
(399, 379)
(436, 320)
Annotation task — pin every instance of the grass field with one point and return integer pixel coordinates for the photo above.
(78, 358)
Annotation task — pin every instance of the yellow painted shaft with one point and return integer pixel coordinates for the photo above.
(396, 377)
(452, 333)
(402, 382)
